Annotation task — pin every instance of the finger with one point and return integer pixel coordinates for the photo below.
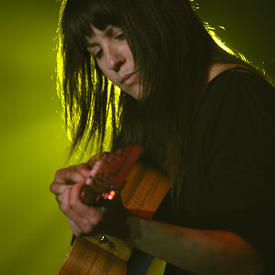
(85, 172)
(87, 212)
(96, 168)
(75, 228)
(70, 174)
(91, 162)
(58, 188)
(67, 176)
(83, 224)
(85, 217)
(59, 198)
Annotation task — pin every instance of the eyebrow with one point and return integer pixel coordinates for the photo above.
(108, 31)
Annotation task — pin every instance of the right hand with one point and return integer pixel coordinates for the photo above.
(83, 219)
(67, 186)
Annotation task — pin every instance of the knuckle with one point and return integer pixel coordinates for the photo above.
(73, 205)
(87, 227)
(67, 173)
(81, 165)
(76, 232)
(97, 219)
(52, 187)
(64, 208)
(59, 198)
(58, 172)
(87, 230)
(73, 168)
(74, 202)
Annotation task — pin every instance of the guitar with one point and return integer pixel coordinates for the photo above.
(141, 191)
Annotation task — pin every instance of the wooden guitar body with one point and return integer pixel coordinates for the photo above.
(142, 192)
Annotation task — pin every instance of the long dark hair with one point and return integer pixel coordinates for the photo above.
(173, 52)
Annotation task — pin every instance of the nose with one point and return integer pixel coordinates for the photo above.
(114, 59)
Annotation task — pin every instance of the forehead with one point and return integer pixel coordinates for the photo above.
(97, 34)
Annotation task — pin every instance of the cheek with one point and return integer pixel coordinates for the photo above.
(129, 55)
(103, 68)
(107, 73)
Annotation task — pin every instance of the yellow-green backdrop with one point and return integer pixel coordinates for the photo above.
(34, 234)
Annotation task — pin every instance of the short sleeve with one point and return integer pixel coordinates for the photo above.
(240, 159)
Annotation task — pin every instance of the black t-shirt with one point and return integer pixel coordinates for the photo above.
(229, 172)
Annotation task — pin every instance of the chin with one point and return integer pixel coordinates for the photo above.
(135, 92)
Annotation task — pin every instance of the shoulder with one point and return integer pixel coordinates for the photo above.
(219, 74)
(238, 76)
(237, 97)
(238, 83)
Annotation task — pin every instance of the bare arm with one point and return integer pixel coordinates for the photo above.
(198, 251)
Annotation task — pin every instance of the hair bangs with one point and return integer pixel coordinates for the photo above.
(102, 13)
(78, 16)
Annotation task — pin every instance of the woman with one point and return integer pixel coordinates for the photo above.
(204, 117)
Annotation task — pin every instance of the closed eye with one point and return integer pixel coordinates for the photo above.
(98, 54)
(120, 36)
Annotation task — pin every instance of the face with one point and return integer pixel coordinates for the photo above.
(114, 57)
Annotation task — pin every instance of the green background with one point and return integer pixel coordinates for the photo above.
(34, 234)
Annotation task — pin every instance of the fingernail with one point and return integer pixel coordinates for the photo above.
(88, 181)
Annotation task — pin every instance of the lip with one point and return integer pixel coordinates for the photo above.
(129, 79)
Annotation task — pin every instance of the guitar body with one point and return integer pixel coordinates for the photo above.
(89, 259)
(141, 194)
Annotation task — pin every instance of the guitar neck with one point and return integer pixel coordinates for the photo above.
(142, 191)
